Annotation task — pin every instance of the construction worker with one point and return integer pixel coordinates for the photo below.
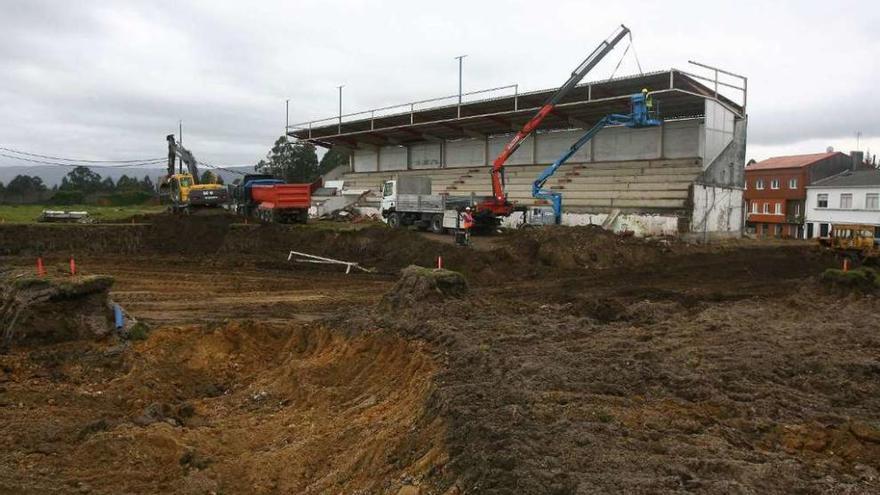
(467, 223)
(649, 100)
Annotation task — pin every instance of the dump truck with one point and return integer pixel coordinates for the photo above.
(859, 242)
(407, 201)
(270, 199)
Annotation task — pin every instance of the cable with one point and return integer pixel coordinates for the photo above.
(620, 61)
(636, 55)
(239, 172)
(77, 160)
(74, 165)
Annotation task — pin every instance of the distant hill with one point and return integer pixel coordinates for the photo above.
(53, 175)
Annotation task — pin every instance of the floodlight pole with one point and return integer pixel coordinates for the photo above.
(339, 129)
(460, 59)
(286, 116)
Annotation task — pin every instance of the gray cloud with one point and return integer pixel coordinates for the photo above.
(108, 79)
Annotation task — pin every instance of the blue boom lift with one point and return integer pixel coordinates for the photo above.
(639, 117)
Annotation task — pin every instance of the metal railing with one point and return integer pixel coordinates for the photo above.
(718, 83)
(412, 106)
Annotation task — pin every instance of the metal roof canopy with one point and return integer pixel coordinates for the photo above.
(677, 94)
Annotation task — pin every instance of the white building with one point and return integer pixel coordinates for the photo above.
(852, 197)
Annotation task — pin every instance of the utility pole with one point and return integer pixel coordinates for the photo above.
(460, 59)
(180, 140)
(286, 116)
(339, 129)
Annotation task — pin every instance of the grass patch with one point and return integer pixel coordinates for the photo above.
(140, 331)
(30, 213)
(862, 279)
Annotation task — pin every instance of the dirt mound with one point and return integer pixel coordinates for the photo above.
(53, 309)
(419, 285)
(588, 247)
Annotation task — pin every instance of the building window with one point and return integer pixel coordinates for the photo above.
(759, 184)
(822, 201)
(792, 183)
(872, 201)
(754, 207)
(845, 201)
(766, 207)
(797, 209)
(746, 185)
(774, 184)
(778, 209)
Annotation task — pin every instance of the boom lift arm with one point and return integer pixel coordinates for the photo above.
(176, 150)
(638, 117)
(498, 204)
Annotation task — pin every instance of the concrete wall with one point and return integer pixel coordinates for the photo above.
(718, 130)
(550, 145)
(717, 210)
(522, 156)
(621, 143)
(642, 225)
(393, 158)
(465, 153)
(728, 167)
(427, 155)
(676, 139)
(366, 160)
(681, 138)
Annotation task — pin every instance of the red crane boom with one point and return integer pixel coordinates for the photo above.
(498, 204)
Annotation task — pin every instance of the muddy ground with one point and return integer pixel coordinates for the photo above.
(578, 362)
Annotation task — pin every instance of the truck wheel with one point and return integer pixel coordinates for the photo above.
(437, 224)
(394, 220)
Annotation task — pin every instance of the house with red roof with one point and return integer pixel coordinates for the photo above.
(775, 191)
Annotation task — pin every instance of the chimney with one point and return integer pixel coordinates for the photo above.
(858, 159)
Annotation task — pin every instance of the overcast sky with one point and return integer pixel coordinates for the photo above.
(109, 79)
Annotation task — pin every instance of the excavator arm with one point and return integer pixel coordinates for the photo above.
(175, 151)
(498, 204)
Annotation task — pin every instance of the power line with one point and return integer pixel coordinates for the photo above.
(77, 159)
(239, 172)
(73, 165)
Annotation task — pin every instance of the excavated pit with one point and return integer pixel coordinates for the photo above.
(237, 408)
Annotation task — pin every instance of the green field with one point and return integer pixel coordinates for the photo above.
(30, 213)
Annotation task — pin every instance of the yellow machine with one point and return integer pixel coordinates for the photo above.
(181, 190)
(859, 242)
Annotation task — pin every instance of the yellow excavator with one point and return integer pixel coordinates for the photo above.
(181, 190)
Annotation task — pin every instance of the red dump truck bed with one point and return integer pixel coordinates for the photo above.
(283, 196)
(283, 202)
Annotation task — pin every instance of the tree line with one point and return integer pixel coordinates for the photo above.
(297, 162)
(80, 185)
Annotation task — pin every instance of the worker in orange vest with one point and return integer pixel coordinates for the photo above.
(467, 223)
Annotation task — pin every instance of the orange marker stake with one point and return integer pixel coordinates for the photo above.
(72, 266)
(41, 270)
(439, 262)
